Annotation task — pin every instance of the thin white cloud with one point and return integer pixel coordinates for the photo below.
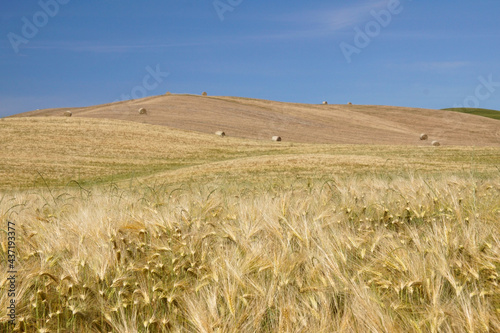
(77, 46)
(431, 34)
(443, 65)
(334, 18)
(320, 23)
(314, 23)
(350, 16)
(432, 65)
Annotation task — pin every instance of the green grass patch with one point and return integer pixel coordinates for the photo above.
(493, 114)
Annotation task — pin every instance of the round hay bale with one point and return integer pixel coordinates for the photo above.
(325, 103)
(423, 136)
(68, 113)
(349, 103)
(168, 93)
(204, 93)
(276, 138)
(220, 133)
(436, 143)
(142, 111)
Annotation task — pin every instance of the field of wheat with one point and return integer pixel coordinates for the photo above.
(344, 254)
(124, 227)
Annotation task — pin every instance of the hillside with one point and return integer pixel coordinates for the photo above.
(305, 123)
(493, 114)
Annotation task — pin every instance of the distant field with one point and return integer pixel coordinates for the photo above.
(493, 114)
(58, 151)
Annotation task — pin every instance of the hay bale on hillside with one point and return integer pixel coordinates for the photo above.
(325, 103)
(423, 136)
(349, 103)
(220, 133)
(204, 93)
(276, 138)
(143, 111)
(168, 93)
(436, 143)
(68, 113)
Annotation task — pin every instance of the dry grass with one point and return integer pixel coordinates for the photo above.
(99, 150)
(237, 235)
(88, 151)
(344, 255)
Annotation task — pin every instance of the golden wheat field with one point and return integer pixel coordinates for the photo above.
(127, 227)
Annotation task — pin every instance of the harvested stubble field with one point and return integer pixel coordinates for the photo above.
(301, 123)
(57, 151)
(126, 227)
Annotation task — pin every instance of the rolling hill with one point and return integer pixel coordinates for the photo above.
(300, 123)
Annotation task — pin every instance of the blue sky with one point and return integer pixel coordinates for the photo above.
(431, 54)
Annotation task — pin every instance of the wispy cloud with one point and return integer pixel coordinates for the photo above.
(314, 23)
(323, 22)
(442, 65)
(334, 18)
(96, 47)
(432, 34)
(432, 65)
(346, 17)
